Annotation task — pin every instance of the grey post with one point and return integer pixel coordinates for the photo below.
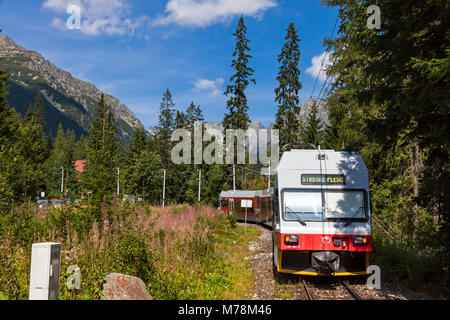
(234, 177)
(199, 184)
(118, 182)
(164, 190)
(62, 180)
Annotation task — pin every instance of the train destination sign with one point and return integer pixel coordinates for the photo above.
(328, 179)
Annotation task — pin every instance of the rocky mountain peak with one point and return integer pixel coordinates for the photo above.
(29, 69)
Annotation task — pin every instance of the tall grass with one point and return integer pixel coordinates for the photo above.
(418, 270)
(174, 251)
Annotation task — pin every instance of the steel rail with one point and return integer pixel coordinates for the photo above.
(308, 293)
(350, 290)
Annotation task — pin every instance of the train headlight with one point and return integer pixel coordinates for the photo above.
(360, 240)
(291, 239)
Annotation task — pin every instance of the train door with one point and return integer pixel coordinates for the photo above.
(224, 205)
(257, 209)
(275, 227)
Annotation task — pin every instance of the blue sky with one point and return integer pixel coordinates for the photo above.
(135, 49)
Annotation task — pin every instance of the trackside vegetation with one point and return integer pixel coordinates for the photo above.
(387, 99)
(180, 253)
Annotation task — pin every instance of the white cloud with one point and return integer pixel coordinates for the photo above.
(210, 85)
(201, 13)
(112, 17)
(316, 61)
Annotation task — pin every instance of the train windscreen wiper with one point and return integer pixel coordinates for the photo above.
(354, 215)
(303, 223)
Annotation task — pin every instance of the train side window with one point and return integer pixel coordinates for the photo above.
(275, 206)
(224, 204)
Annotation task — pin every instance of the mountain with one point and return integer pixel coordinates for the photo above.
(305, 106)
(67, 100)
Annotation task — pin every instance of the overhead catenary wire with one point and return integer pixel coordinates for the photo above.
(326, 80)
(324, 57)
(319, 98)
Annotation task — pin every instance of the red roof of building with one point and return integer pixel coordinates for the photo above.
(79, 165)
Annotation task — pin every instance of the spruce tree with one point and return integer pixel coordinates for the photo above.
(139, 143)
(166, 126)
(237, 116)
(193, 113)
(312, 128)
(37, 110)
(180, 120)
(62, 156)
(391, 93)
(102, 152)
(287, 118)
(9, 158)
(7, 126)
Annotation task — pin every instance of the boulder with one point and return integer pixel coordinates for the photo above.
(123, 287)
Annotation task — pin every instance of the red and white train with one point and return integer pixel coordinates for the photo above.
(248, 205)
(321, 213)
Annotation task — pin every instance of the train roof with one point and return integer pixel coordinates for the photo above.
(295, 163)
(245, 193)
(308, 160)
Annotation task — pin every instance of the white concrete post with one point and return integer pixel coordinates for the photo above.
(45, 271)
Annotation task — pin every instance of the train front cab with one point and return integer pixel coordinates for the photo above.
(322, 244)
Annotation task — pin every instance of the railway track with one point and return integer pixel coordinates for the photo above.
(331, 292)
(349, 289)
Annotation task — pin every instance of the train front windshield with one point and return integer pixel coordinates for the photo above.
(318, 205)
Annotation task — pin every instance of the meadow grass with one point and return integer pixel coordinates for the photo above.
(180, 253)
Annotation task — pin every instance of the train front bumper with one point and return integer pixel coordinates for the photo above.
(309, 263)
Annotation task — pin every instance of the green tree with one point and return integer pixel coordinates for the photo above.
(237, 116)
(8, 127)
(193, 113)
(312, 128)
(80, 152)
(390, 97)
(287, 121)
(166, 127)
(62, 156)
(33, 150)
(145, 176)
(181, 121)
(37, 110)
(9, 156)
(139, 143)
(103, 148)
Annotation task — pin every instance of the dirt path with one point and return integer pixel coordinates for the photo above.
(267, 287)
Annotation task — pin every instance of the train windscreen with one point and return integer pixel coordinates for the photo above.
(309, 205)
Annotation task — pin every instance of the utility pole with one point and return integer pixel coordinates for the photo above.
(199, 183)
(164, 190)
(62, 180)
(118, 182)
(269, 174)
(234, 177)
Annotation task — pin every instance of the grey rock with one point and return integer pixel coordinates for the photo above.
(123, 287)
